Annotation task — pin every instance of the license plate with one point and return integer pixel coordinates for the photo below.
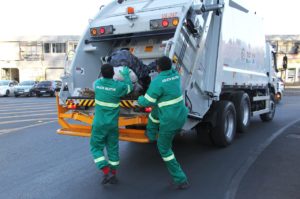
(43, 91)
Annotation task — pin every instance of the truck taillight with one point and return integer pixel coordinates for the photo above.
(164, 23)
(93, 32)
(101, 31)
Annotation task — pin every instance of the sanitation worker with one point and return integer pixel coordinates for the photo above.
(164, 93)
(105, 131)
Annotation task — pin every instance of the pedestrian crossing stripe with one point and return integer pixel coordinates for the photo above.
(91, 102)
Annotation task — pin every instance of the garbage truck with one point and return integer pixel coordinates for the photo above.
(217, 46)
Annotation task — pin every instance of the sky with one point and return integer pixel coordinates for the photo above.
(69, 17)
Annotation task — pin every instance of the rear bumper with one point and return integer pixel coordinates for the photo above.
(84, 130)
(48, 92)
(21, 93)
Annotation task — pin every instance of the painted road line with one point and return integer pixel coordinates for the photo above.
(30, 115)
(20, 112)
(32, 108)
(27, 105)
(28, 120)
(7, 131)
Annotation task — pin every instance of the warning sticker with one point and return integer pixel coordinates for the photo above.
(79, 71)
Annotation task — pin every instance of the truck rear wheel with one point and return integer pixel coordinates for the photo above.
(266, 117)
(224, 131)
(242, 106)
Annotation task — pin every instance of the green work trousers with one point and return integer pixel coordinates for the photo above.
(153, 125)
(103, 136)
(164, 144)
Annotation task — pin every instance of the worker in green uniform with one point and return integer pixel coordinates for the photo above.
(169, 115)
(105, 131)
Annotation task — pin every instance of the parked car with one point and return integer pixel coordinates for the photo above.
(47, 88)
(7, 87)
(280, 89)
(25, 88)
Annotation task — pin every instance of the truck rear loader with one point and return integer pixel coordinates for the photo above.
(217, 46)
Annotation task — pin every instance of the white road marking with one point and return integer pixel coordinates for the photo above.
(19, 112)
(41, 104)
(28, 120)
(30, 108)
(7, 131)
(30, 115)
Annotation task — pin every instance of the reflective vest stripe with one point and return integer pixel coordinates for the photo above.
(169, 158)
(111, 105)
(99, 159)
(114, 163)
(150, 99)
(170, 102)
(153, 120)
(128, 89)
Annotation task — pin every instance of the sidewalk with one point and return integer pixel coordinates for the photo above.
(276, 172)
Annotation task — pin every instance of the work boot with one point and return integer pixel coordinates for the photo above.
(106, 179)
(113, 179)
(182, 186)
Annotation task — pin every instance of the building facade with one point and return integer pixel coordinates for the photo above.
(43, 58)
(35, 58)
(287, 45)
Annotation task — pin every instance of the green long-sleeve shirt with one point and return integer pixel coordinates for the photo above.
(165, 93)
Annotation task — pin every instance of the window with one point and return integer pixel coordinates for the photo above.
(58, 48)
(31, 51)
(47, 48)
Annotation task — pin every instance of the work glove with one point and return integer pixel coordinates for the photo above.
(125, 71)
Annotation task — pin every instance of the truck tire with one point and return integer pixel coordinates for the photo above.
(203, 134)
(267, 117)
(224, 130)
(242, 106)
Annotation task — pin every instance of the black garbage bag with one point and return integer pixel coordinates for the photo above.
(124, 57)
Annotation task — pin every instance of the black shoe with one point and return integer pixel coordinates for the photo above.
(105, 179)
(113, 179)
(182, 186)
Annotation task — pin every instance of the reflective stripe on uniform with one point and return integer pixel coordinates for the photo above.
(150, 99)
(170, 102)
(167, 159)
(128, 89)
(111, 105)
(153, 120)
(114, 163)
(99, 159)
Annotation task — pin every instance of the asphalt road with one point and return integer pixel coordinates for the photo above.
(35, 162)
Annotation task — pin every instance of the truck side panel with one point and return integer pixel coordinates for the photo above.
(242, 49)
